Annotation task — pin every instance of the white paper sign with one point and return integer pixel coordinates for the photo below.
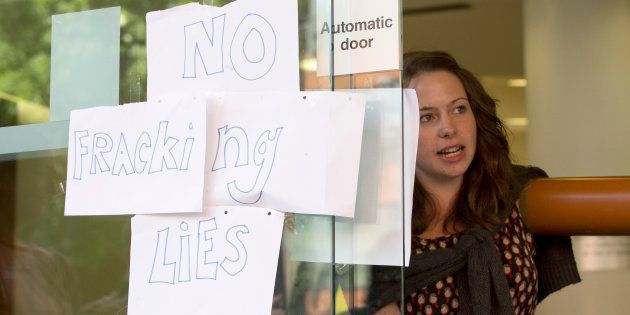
(296, 152)
(222, 261)
(383, 218)
(137, 158)
(243, 46)
(366, 36)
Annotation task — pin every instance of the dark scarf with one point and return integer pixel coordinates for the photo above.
(483, 286)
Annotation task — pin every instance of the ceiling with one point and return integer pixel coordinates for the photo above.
(484, 35)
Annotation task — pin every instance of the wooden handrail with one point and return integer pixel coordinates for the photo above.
(578, 206)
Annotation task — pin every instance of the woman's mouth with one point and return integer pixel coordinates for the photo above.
(451, 151)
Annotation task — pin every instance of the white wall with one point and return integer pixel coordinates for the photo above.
(577, 63)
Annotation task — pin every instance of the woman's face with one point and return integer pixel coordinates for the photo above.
(448, 131)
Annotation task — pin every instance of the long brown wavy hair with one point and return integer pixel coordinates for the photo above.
(484, 199)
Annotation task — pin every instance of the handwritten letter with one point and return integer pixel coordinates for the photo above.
(243, 46)
(296, 152)
(204, 263)
(137, 158)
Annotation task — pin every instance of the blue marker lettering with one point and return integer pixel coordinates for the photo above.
(162, 150)
(206, 268)
(80, 150)
(144, 141)
(239, 139)
(253, 47)
(236, 265)
(203, 46)
(162, 271)
(264, 156)
(184, 254)
(188, 145)
(122, 159)
(101, 144)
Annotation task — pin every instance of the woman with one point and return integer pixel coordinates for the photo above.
(471, 252)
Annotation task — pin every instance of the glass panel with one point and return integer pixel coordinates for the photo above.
(50, 263)
(29, 138)
(84, 65)
(331, 257)
(58, 264)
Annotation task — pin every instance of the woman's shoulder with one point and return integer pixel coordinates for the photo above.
(523, 175)
(527, 172)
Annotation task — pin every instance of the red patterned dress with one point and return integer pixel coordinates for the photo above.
(515, 244)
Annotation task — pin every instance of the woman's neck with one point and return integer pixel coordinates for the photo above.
(443, 194)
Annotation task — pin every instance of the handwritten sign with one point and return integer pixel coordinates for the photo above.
(243, 46)
(296, 152)
(204, 263)
(366, 37)
(136, 158)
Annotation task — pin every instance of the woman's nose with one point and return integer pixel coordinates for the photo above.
(447, 129)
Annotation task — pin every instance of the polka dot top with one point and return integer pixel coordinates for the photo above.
(514, 243)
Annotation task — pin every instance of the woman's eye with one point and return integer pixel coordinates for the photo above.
(426, 118)
(460, 109)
